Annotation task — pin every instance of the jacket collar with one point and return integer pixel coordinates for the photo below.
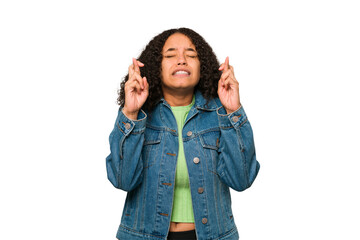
(201, 103)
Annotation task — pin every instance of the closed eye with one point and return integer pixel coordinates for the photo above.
(190, 56)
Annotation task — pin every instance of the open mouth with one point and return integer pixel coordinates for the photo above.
(181, 73)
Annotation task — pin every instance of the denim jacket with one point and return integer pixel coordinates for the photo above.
(219, 151)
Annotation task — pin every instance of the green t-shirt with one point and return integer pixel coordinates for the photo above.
(182, 210)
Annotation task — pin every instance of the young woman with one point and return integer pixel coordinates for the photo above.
(180, 140)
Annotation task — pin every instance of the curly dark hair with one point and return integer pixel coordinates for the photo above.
(152, 57)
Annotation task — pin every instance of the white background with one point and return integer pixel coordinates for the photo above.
(61, 63)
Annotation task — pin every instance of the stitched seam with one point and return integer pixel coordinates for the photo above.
(155, 128)
(243, 122)
(140, 233)
(117, 124)
(215, 129)
(138, 131)
(227, 127)
(244, 157)
(226, 234)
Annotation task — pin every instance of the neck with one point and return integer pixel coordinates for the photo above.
(176, 99)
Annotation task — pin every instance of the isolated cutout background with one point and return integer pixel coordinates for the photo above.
(62, 63)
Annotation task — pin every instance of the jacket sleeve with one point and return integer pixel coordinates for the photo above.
(124, 165)
(237, 164)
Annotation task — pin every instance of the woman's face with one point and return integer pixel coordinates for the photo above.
(180, 66)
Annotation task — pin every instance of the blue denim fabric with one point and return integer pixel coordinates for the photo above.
(143, 163)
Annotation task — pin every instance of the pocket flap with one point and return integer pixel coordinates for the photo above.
(210, 139)
(152, 137)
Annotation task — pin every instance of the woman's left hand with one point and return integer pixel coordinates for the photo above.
(228, 88)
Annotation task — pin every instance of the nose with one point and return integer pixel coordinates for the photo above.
(181, 60)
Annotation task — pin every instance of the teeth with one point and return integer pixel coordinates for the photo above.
(181, 72)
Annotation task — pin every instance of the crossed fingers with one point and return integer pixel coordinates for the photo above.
(135, 81)
(227, 78)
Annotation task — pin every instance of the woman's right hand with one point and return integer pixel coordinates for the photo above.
(136, 91)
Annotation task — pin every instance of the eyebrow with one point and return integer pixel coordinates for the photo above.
(188, 49)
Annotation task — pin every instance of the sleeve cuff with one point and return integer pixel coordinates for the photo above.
(127, 125)
(234, 119)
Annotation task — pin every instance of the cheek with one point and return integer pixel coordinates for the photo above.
(164, 69)
(198, 65)
(198, 70)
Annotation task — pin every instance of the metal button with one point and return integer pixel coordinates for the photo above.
(196, 160)
(235, 118)
(204, 220)
(127, 126)
(189, 133)
(200, 190)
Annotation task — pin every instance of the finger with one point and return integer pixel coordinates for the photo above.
(140, 80)
(220, 85)
(136, 66)
(136, 77)
(231, 82)
(140, 63)
(232, 70)
(221, 67)
(226, 63)
(225, 75)
(131, 70)
(232, 75)
(224, 66)
(227, 79)
(131, 86)
(134, 86)
(227, 83)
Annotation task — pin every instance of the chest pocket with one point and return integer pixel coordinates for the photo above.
(151, 148)
(210, 143)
